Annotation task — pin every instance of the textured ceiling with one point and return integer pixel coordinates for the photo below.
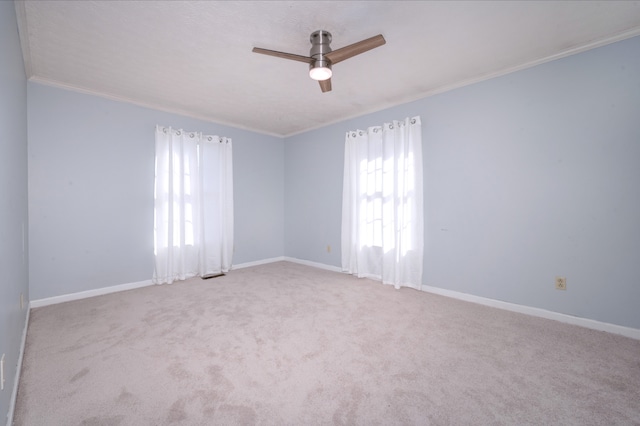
(195, 58)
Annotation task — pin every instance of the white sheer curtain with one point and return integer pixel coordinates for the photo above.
(193, 221)
(382, 208)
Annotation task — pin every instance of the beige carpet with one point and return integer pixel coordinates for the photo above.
(285, 344)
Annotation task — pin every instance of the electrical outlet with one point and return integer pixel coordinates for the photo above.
(561, 283)
(328, 249)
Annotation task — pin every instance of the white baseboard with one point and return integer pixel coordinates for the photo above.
(89, 293)
(313, 264)
(123, 287)
(258, 262)
(527, 310)
(288, 259)
(537, 312)
(14, 393)
(130, 286)
(522, 309)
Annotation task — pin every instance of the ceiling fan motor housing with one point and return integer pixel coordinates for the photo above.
(320, 46)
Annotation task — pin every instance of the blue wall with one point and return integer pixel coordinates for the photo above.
(91, 177)
(13, 199)
(528, 176)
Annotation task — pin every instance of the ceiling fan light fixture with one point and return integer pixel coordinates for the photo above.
(320, 73)
(320, 69)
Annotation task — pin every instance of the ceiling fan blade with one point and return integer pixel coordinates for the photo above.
(284, 55)
(325, 85)
(354, 49)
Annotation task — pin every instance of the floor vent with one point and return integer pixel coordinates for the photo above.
(206, 277)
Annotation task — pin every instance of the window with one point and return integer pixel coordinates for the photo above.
(382, 226)
(193, 214)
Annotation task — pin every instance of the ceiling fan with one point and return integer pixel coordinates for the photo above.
(321, 57)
